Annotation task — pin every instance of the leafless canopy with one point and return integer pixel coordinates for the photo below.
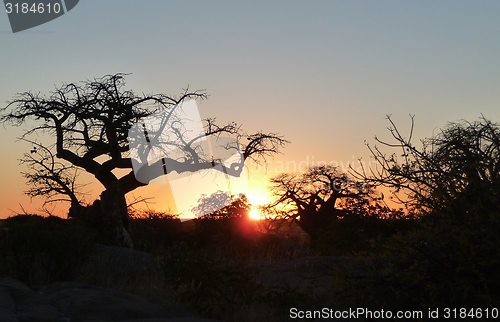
(463, 157)
(50, 178)
(90, 121)
(90, 124)
(311, 198)
(319, 187)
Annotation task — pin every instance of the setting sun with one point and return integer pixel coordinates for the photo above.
(254, 214)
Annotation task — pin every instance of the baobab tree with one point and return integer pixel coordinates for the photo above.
(312, 199)
(90, 121)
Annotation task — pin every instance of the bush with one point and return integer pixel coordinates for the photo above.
(444, 263)
(151, 231)
(210, 282)
(219, 285)
(40, 250)
(452, 183)
(354, 235)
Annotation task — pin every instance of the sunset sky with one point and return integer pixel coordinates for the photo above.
(324, 74)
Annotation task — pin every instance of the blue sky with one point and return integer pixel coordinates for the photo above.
(322, 73)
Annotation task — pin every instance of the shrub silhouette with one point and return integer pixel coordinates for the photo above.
(40, 250)
(229, 225)
(154, 230)
(451, 258)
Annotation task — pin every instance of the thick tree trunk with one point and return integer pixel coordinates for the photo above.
(109, 216)
(114, 215)
(314, 223)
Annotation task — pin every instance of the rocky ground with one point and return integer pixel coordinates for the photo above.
(78, 302)
(83, 302)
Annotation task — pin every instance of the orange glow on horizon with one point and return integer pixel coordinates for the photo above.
(258, 198)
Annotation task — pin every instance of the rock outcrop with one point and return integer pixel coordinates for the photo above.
(78, 302)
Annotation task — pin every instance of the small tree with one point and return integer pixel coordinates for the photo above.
(90, 123)
(312, 199)
(220, 205)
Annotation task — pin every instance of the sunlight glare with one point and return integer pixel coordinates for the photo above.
(258, 199)
(254, 214)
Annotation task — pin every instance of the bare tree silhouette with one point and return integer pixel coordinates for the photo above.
(457, 169)
(311, 199)
(50, 178)
(90, 123)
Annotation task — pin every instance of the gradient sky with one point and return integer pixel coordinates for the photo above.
(322, 73)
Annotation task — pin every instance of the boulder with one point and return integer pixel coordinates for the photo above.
(88, 302)
(111, 265)
(79, 302)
